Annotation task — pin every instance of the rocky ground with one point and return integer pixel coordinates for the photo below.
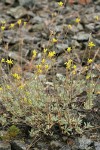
(40, 23)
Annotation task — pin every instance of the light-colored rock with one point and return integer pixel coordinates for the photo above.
(18, 145)
(81, 36)
(84, 143)
(10, 1)
(97, 145)
(5, 146)
(25, 2)
(55, 144)
(17, 12)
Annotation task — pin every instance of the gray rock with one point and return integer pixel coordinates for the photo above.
(84, 143)
(10, 36)
(55, 144)
(65, 147)
(76, 44)
(17, 12)
(36, 20)
(97, 2)
(18, 145)
(10, 1)
(28, 75)
(60, 48)
(25, 2)
(74, 29)
(42, 145)
(15, 56)
(89, 18)
(36, 148)
(90, 26)
(58, 28)
(90, 10)
(98, 7)
(97, 41)
(97, 145)
(81, 36)
(37, 27)
(5, 146)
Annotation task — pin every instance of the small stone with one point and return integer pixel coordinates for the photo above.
(90, 26)
(17, 12)
(25, 2)
(97, 145)
(65, 147)
(55, 144)
(5, 146)
(11, 2)
(84, 143)
(37, 27)
(61, 48)
(36, 20)
(18, 145)
(81, 37)
(42, 145)
(36, 148)
(15, 56)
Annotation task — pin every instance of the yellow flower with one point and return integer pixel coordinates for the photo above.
(25, 23)
(51, 54)
(88, 77)
(39, 71)
(43, 61)
(34, 53)
(45, 50)
(69, 26)
(12, 25)
(9, 61)
(39, 66)
(90, 61)
(46, 66)
(77, 20)
(25, 99)
(27, 93)
(15, 75)
(91, 44)
(74, 72)
(8, 87)
(60, 3)
(2, 60)
(29, 102)
(3, 28)
(69, 49)
(21, 86)
(19, 21)
(74, 67)
(1, 89)
(85, 68)
(97, 17)
(68, 64)
(54, 40)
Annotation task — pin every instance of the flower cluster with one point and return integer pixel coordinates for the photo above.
(69, 64)
(34, 52)
(51, 54)
(60, 3)
(16, 76)
(91, 44)
(8, 61)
